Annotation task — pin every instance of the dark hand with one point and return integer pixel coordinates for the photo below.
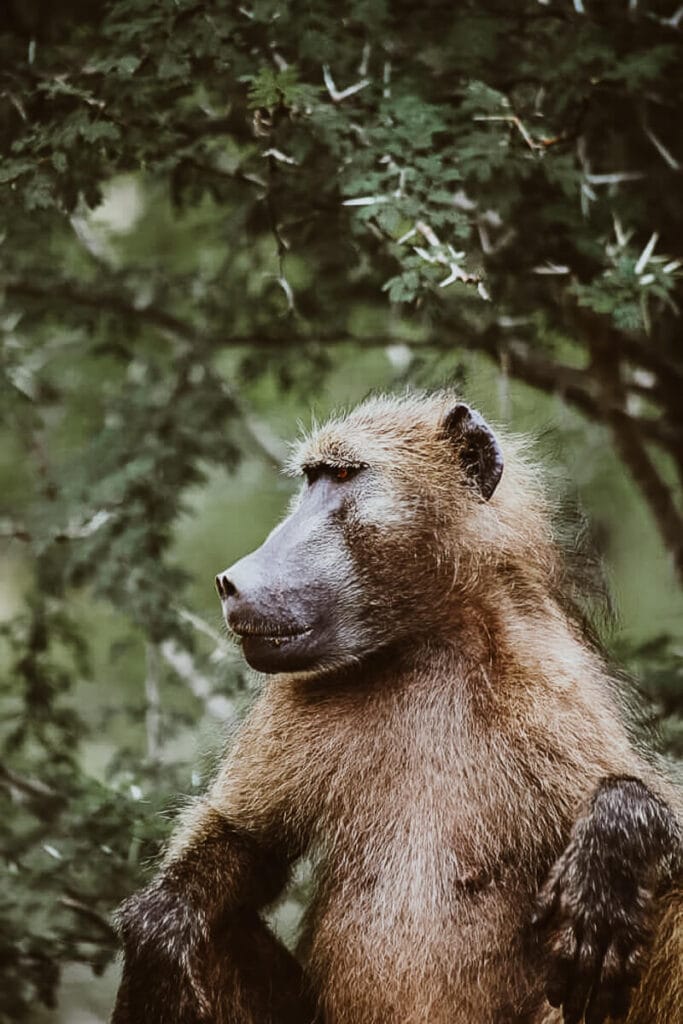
(165, 941)
(597, 907)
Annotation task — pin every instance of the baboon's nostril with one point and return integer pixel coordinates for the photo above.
(224, 587)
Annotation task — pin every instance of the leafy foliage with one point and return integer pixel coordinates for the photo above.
(198, 199)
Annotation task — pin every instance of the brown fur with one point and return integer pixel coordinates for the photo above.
(659, 997)
(435, 783)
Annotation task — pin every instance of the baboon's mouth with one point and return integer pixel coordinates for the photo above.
(273, 646)
(271, 632)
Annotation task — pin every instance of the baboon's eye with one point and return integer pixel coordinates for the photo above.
(340, 474)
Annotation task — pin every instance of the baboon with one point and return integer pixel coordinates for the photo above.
(443, 742)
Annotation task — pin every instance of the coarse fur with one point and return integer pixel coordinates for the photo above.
(658, 998)
(434, 759)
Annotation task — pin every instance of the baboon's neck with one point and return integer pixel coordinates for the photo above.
(509, 624)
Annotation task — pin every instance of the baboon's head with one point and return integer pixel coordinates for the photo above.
(398, 509)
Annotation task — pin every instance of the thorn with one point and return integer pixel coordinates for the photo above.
(337, 95)
(277, 154)
(644, 257)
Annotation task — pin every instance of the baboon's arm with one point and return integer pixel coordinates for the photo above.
(598, 904)
(195, 947)
(186, 935)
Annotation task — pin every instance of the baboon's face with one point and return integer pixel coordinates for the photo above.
(297, 602)
(355, 567)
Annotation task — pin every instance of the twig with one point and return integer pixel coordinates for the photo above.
(518, 124)
(428, 233)
(281, 244)
(28, 786)
(675, 20)
(153, 701)
(222, 646)
(665, 154)
(246, 177)
(268, 444)
(364, 60)
(448, 257)
(83, 910)
(181, 661)
(614, 177)
(645, 255)
(278, 155)
(386, 80)
(338, 95)
(287, 289)
(366, 200)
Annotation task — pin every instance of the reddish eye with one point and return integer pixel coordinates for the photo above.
(340, 474)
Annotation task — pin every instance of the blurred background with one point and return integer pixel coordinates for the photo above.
(217, 222)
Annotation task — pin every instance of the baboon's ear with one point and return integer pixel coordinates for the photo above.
(478, 449)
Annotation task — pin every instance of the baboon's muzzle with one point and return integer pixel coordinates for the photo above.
(281, 599)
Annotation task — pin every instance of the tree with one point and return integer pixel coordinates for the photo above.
(482, 178)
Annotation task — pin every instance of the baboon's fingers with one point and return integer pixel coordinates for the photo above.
(624, 965)
(561, 971)
(598, 1007)
(156, 990)
(608, 1003)
(618, 1002)
(611, 994)
(586, 971)
(634, 964)
(547, 903)
(573, 1008)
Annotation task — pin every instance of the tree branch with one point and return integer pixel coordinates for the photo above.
(607, 367)
(574, 385)
(35, 789)
(580, 388)
(650, 483)
(62, 293)
(89, 914)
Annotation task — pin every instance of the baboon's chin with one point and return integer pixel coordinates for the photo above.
(298, 653)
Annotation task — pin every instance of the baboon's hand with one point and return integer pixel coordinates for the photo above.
(595, 937)
(596, 907)
(165, 942)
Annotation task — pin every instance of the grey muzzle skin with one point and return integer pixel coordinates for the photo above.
(286, 600)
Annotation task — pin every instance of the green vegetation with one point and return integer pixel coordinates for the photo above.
(216, 218)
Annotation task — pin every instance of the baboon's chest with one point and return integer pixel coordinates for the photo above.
(405, 947)
(405, 800)
(413, 839)
(421, 903)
